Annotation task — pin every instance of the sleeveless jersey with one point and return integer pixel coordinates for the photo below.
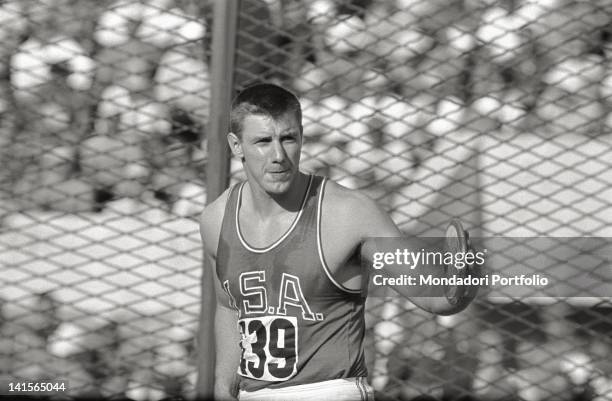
(298, 325)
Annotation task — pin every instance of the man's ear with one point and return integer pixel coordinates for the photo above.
(235, 145)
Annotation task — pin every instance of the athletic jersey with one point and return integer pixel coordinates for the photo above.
(298, 325)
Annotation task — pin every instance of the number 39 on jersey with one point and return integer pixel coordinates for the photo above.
(269, 347)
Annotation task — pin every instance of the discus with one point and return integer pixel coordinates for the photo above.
(456, 241)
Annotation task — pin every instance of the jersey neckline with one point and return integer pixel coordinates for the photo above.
(282, 237)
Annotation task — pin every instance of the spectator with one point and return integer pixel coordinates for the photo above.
(13, 26)
(257, 44)
(49, 77)
(69, 348)
(570, 100)
(114, 160)
(182, 80)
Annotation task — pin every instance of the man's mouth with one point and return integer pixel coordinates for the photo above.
(279, 171)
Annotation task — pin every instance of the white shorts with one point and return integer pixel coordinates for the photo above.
(352, 389)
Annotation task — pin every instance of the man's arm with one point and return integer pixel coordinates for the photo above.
(227, 350)
(227, 337)
(373, 222)
(439, 300)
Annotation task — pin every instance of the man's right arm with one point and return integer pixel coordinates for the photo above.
(227, 348)
(227, 337)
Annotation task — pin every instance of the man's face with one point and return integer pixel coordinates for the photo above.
(270, 150)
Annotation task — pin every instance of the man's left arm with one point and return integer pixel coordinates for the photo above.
(439, 299)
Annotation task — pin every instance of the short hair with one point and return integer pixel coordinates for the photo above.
(263, 99)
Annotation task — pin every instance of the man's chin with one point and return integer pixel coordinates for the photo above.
(278, 187)
(279, 184)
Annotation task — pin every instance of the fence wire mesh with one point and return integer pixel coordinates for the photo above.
(496, 111)
(103, 107)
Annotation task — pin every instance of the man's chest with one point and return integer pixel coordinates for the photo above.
(262, 233)
(290, 274)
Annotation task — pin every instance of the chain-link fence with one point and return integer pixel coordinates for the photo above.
(103, 107)
(497, 112)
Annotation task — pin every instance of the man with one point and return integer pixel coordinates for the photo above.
(285, 247)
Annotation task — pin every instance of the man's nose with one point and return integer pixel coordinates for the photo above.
(278, 152)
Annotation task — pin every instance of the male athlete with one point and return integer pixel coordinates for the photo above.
(290, 310)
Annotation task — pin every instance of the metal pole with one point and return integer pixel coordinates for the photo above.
(225, 24)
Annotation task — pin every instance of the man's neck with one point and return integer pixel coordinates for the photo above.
(266, 205)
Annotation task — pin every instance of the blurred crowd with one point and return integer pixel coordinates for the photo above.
(109, 99)
(499, 352)
(100, 101)
(514, 353)
(428, 69)
(140, 358)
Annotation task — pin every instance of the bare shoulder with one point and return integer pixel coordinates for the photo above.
(357, 212)
(348, 200)
(211, 219)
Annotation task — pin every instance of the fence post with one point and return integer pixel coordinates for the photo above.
(225, 20)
